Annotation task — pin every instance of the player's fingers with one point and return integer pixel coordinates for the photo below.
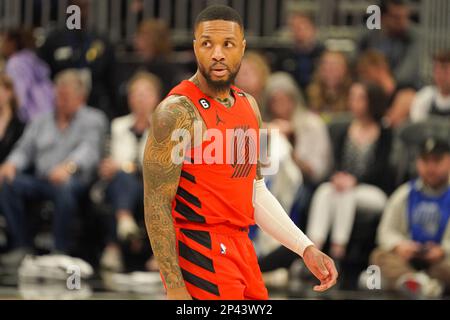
(322, 268)
(320, 288)
(331, 269)
(325, 285)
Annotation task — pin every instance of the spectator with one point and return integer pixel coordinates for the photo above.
(373, 67)
(310, 153)
(328, 92)
(11, 127)
(63, 146)
(414, 233)
(397, 40)
(153, 47)
(253, 76)
(434, 100)
(306, 131)
(283, 101)
(85, 50)
(122, 169)
(301, 60)
(31, 75)
(360, 174)
(151, 52)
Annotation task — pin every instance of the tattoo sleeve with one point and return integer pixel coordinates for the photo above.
(161, 178)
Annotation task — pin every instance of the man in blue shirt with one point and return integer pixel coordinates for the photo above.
(414, 233)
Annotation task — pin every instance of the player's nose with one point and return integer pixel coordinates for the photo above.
(218, 54)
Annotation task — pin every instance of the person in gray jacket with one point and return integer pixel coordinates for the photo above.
(414, 233)
(63, 147)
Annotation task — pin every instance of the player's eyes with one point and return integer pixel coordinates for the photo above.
(206, 44)
(229, 44)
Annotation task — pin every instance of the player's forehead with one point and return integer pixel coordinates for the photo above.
(214, 29)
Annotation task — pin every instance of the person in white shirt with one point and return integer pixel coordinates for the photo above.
(121, 169)
(304, 152)
(434, 100)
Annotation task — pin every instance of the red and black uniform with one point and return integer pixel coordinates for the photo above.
(213, 206)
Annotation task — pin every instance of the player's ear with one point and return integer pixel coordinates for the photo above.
(244, 44)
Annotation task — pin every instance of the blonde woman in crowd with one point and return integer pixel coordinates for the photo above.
(303, 148)
(328, 93)
(253, 76)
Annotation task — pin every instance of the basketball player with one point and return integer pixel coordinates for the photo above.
(197, 214)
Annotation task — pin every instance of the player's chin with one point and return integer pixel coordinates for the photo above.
(220, 82)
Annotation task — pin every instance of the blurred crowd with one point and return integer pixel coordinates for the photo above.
(364, 148)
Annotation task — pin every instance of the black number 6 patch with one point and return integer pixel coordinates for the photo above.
(205, 104)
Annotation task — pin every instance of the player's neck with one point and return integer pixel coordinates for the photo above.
(201, 82)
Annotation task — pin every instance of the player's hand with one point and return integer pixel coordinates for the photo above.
(178, 294)
(321, 266)
(7, 172)
(407, 249)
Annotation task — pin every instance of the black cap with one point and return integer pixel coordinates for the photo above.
(434, 146)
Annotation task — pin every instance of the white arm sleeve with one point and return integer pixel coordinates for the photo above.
(271, 217)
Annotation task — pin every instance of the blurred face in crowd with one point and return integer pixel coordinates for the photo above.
(332, 69)
(144, 44)
(143, 97)
(281, 105)
(441, 74)
(302, 28)
(7, 46)
(5, 96)
(250, 78)
(69, 98)
(358, 101)
(370, 73)
(219, 46)
(396, 20)
(434, 169)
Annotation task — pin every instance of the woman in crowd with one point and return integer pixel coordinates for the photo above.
(253, 76)
(328, 92)
(121, 169)
(303, 148)
(153, 47)
(361, 173)
(30, 74)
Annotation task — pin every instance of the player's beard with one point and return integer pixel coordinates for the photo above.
(219, 85)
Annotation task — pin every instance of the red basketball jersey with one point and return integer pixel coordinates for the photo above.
(211, 191)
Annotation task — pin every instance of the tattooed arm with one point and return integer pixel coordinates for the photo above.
(161, 178)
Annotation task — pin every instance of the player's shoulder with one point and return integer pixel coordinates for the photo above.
(175, 111)
(253, 103)
(179, 103)
(238, 91)
(248, 96)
